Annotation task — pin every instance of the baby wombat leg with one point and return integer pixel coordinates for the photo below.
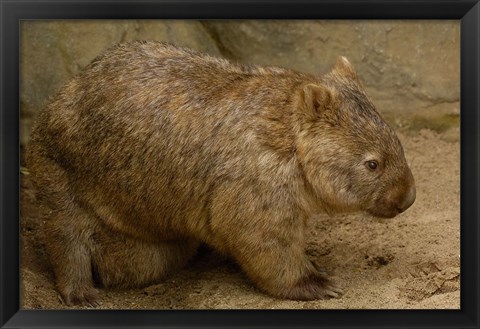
(122, 261)
(269, 246)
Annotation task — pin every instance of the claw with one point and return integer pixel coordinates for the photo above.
(337, 290)
(331, 293)
(85, 297)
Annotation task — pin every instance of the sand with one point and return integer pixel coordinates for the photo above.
(409, 262)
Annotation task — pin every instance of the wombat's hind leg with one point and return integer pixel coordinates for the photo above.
(68, 229)
(68, 245)
(124, 262)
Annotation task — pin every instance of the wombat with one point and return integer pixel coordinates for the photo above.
(154, 149)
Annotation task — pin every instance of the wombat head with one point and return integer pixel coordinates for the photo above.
(351, 158)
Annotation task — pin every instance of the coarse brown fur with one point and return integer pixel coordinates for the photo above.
(154, 149)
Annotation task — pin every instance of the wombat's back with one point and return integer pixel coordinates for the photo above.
(149, 130)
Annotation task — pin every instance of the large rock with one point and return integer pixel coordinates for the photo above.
(405, 65)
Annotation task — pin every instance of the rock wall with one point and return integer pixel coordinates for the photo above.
(410, 68)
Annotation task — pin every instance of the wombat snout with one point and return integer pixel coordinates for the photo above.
(408, 200)
(395, 201)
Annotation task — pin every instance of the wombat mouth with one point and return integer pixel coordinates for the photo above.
(383, 213)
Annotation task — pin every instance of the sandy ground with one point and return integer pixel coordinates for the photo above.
(411, 261)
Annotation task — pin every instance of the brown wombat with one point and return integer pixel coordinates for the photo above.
(154, 149)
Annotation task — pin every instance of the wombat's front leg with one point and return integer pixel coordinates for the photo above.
(268, 243)
(284, 271)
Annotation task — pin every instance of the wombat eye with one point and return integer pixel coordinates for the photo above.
(372, 164)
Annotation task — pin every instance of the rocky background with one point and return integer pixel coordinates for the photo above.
(411, 69)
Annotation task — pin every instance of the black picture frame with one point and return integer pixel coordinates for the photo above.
(12, 11)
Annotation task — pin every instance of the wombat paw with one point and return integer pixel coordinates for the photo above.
(315, 286)
(84, 297)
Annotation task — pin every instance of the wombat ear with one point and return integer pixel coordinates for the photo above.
(344, 68)
(319, 99)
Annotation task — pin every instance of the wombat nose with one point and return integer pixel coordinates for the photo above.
(408, 200)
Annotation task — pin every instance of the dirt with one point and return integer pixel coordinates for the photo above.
(409, 262)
